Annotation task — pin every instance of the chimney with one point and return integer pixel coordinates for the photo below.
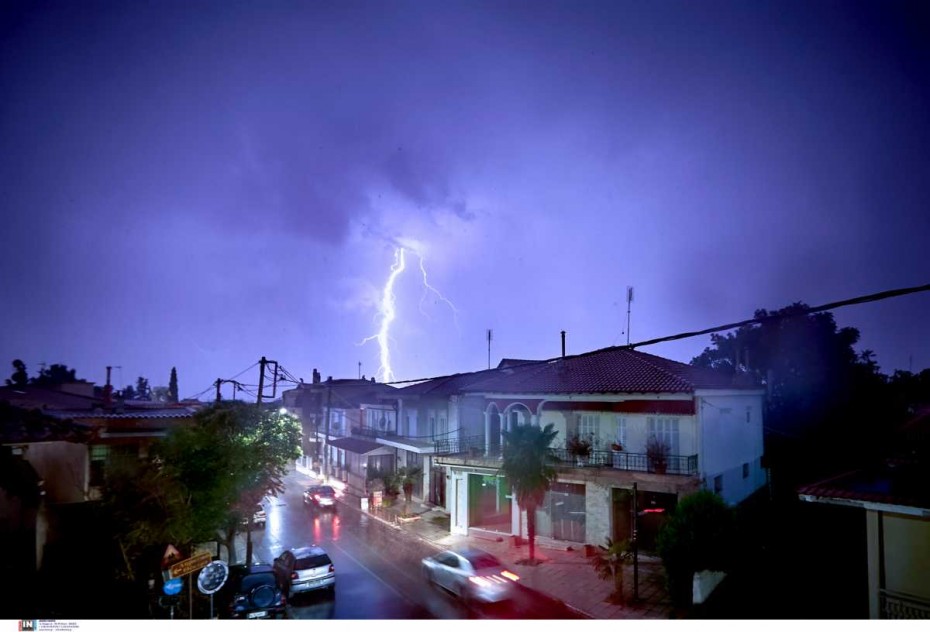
(563, 343)
(108, 389)
(316, 376)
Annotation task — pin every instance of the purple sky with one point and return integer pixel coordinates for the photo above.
(200, 184)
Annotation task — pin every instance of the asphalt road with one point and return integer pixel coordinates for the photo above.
(378, 573)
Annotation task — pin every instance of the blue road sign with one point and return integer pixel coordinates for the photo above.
(173, 586)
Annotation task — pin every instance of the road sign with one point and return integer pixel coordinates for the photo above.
(173, 586)
(191, 564)
(212, 577)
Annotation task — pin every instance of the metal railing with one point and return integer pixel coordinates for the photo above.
(678, 465)
(454, 445)
(372, 433)
(901, 606)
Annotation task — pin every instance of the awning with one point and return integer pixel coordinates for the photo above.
(358, 446)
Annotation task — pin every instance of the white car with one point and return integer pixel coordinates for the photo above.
(471, 574)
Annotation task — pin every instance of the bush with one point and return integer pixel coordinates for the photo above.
(697, 536)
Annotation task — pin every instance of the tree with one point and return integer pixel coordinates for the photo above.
(54, 375)
(697, 536)
(408, 478)
(143, 392)
(173, 386)
(201, 480)
(528, 467)
(19, 377)
(608, 563)
(822, 398)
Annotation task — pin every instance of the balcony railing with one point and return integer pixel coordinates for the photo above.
(630, 461)
(900, 606)
(455, 445)
(372, 433)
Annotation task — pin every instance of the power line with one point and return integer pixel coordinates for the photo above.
(868, 298)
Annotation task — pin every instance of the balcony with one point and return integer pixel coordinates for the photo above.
(372, 433)
(474, 447)
(678, 465)
(896, 605)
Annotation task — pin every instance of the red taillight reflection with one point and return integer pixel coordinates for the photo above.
(511, 576)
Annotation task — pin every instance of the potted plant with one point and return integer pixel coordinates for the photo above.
(579, 447)
(657, 452)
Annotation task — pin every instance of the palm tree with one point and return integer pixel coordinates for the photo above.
(528, 467)
(609, 562)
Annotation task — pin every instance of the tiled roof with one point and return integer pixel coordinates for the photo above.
(128, 414)
(894, 483)
(610, 370)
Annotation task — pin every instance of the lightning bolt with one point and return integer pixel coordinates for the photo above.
(429, 288)
(387, 310)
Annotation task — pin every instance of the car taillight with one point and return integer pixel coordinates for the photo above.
(332, 569)
(481, 581)
(511, 576)
(294, 575)
(316, 497)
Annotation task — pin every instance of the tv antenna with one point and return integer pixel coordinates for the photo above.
(629, 302)
(490, 337)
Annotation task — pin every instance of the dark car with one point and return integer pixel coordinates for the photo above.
(254, 593)
(321, 496)
(305, 569)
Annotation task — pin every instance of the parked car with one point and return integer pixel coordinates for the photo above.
(472, 574)
(259, 518)
(321, 496)
(254, 593)
(305, 569)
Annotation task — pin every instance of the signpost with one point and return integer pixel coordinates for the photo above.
(171, 589)
(211, 579)
(191, 564)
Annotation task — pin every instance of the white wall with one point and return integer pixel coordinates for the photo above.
(728, 439)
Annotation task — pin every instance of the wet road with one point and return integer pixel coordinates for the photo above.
(378, 574)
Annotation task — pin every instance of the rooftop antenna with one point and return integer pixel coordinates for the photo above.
(629, 301)
(360, 370)
(490, 337)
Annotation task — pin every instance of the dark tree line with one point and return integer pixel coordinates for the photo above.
(58, 374)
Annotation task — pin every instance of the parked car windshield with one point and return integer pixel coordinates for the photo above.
(303, 563)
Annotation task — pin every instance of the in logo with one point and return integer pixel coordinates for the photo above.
(28, 626)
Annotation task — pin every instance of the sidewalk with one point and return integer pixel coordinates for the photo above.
(565, 573)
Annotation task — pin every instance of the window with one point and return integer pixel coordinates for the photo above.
(336, 420)
(718, 484)
(665, 429)
(745, 470)
(622, 423)
(589, 425)
(99, 454)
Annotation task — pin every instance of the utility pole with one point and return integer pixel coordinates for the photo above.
(218, 382)
(635, 546)
(261, 379)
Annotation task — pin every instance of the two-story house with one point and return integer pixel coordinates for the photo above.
(342, 422)
(613, 397)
